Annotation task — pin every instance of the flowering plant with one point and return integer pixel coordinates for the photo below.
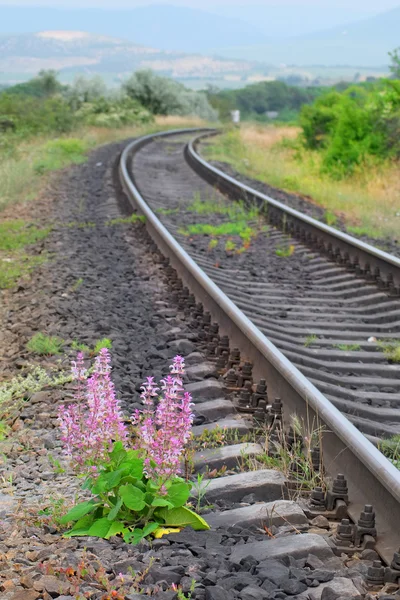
(135, 491)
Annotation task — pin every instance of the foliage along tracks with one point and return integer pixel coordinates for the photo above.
(167, 184)
(106, 280)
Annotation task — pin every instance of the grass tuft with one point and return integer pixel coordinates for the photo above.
(126, 220)
(310, 339)
(391, 349)
(348, 347)
(57, 154)
(285, 251)
(103, 343)
(45, 345)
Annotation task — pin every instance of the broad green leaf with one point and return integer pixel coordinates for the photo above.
(133, 467)
(100, 528)
(118, 452)
(150, 527)
(132, 497)
(162, 502)
(178, 493)
(115, 510)
(78, 511)
(116, 527)
(107, 482)
(81, 527)
(182, 517)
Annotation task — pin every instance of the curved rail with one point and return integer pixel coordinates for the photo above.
(363, 258)
(371, 477)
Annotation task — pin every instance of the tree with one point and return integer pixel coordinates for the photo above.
(395, 66)
(163, 96)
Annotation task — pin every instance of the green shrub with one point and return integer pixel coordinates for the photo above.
(354, 128)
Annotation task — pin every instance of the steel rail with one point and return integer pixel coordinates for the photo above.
(366, 260)
(372, 479)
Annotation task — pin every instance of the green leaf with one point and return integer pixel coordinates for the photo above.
(179, 493)
(107, 482)
(150, 527)
(115, 510)
(118, 453)
(100, 528)
(133, 467)
(182, 517)
(116, 527)
(132, 497)
(81, 527)
(162, 502)
(78, 511)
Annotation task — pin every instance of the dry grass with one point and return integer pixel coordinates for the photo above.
(177, 121)
(19, 181)
(368, 202)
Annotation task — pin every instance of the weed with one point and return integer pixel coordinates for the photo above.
(200, 489)
(230, 246)
(79, 347)
(217, 437)
(60, 153)
(310, 339)
(212, 244)
(80, 225)
(14, 236)
(391, 449)
(126, 220)
(364, 230)
(239, 228)
(77, 285)
(20, 387)
(330, 218)
(17, 234)
(181, 595)
(53, 512)
(285, 251)
(55, 464)
(391, 349)
(348, 347)
(167, 211)
(45, 344)
(292, 455)
(17, 266)
(100, 344)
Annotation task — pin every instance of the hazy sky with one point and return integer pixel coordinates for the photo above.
(363, 6)
(272, 17)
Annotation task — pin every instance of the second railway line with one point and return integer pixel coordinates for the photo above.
(317, 312)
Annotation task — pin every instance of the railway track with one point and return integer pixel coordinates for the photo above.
(270, 316)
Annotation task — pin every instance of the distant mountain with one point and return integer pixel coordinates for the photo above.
(167, 27)
(74, 52)
(364, 43)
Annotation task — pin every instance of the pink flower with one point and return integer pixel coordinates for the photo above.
(164, 428)
(91, 424)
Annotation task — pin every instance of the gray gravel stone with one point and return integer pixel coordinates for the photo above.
(265, 484)
(293, 545)
(200, 371)
(214, 409)
(332, 590)
(205, 390)
(230, 456)
(216, 592)
(276, 513)
(182, 346)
